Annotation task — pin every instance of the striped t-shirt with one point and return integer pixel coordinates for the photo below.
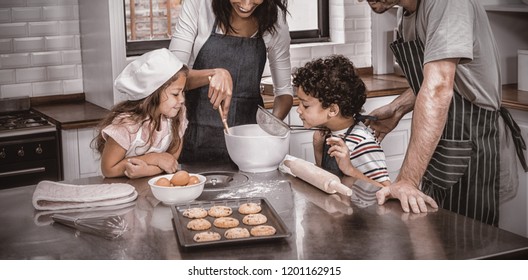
(366, 153)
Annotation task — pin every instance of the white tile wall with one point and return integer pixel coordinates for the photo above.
(24, 14)
(14, 90)
(40, 52)
(5, 15)
(7, 76)
(34, 74)
(18, 29)
(46, 58)
(44, 34)
(349, 32)
(6, 45)
(47, 88)
(28, 44)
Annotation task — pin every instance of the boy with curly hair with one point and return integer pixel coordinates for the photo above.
(331, 96)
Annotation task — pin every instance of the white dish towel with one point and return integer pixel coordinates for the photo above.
(50, 195)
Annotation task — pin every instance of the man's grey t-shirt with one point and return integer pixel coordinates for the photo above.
(460, 29)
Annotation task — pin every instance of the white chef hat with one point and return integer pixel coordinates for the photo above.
(147, 73)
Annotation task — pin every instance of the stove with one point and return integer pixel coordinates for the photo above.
(29, 146)
(22, 123)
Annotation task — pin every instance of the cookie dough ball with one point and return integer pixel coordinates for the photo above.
(194, 213)
(263, 230)
(207, 236)
(199, 224)
(225, 222)
(249, 208)
(254, 219)
(220, 211)
(235, 233)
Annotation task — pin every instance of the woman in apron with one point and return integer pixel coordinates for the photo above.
(227, 42)
(463, 173)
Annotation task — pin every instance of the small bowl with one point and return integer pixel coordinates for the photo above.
(177, 194)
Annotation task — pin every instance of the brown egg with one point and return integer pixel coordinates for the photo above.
(164, 182)
(193, 180)
(180, 178)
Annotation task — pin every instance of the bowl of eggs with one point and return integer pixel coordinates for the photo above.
(180, 187)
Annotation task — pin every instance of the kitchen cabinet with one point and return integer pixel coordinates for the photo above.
(394, 144)
(508, 21)
(301, 140)
(79, 159)
(514, 213)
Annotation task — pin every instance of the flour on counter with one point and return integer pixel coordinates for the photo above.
(255, 189)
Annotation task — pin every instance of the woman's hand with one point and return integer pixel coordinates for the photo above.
(220, 89)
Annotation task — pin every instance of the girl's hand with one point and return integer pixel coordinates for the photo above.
(220, 90)
(135, 168)
(166, 162)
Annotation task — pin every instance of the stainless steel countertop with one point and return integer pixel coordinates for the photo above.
(323, 227)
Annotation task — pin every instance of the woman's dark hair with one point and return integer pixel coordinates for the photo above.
(141, 111)
(266, 14)
(333, 80)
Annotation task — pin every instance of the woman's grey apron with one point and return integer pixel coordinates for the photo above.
(463, 175)
(244, 58)
(329, 163)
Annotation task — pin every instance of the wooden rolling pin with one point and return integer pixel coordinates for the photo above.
(317, 176)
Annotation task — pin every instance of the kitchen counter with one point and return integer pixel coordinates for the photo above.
(377, 86)
(322, 226)
(71, 114)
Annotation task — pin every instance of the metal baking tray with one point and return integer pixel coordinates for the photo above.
(185, 236)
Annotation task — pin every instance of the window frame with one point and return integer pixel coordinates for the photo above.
(322, 34)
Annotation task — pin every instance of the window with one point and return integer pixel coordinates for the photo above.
(302, 30)
(149, 23)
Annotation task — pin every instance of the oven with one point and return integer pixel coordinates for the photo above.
(29, 146)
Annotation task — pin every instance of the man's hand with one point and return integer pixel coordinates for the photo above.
(387, 120)
(410, 197)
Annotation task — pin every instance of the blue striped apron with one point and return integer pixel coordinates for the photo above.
(463, 174)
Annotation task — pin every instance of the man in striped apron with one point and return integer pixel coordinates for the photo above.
(463, 142)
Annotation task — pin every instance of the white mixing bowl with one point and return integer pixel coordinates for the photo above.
(253, 150)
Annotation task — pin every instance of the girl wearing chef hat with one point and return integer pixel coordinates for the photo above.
(142, 136)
